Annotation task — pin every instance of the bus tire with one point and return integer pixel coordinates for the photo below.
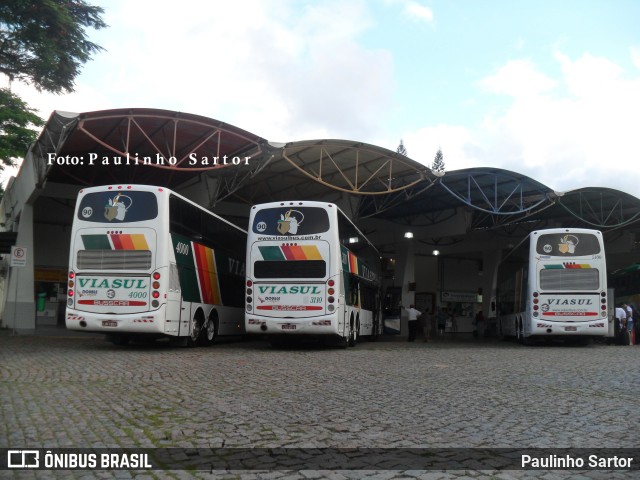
(352, 332)
(210, 332)
(197, 325)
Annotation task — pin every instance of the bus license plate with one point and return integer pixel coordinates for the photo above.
(288, 326)
(109, 323)
(570, 329)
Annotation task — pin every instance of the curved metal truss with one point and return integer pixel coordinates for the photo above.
(496, 192)
(354, 168)
(170, 142)
(601, 208)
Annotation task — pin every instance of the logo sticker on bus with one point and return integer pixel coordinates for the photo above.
(290, 221)
(568, 244)
(117, 208)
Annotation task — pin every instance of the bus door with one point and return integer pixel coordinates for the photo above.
(174, 302)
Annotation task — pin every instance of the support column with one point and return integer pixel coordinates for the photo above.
(20, 311)
(405, 272)
(490, 260)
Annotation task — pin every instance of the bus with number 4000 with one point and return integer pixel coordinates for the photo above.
(147, 263)
(310, 273)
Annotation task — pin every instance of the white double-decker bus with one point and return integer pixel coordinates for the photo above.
(148, 263)
(554, 284)
(310, 272)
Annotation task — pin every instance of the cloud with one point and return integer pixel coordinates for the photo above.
(518, 79)
(418, 12)
(280, 70)
(573, 131)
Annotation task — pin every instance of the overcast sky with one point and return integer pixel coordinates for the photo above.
(550, 89)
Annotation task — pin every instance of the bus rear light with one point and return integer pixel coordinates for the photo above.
(603, 300)
(156, 275)
(249, 291)
(604, 307)
(331, 283)
(70, 293)
(249, 300)
(535, 307)
(155, 294)
(156, 285)
(535, 301)
(331, 308)
(535, 294)
(70, 302)
(71, 284)
(249, 308)
(331, 299)
(331, 291)
(249, 283)
(72, 274)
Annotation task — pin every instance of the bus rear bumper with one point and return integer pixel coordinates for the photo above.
(324, 325)
(143, 323)
(597, 329)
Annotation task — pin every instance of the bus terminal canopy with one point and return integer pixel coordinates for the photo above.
(178, 150)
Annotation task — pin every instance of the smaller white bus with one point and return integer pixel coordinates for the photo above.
(310, 272)
(554, 284)
(147, 263)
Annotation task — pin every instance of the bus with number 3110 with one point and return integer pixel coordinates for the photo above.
(310, 273)
(147, 263)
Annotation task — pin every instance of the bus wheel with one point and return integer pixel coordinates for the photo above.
(211, 330)
(352, 333)
(196, 329)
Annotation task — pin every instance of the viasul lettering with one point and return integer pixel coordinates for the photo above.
(128, 283)
(572, 301)
(279, 290)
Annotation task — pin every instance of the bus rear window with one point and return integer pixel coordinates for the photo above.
(290, 221)
(118, 207)
(568, 244)
(290, 269)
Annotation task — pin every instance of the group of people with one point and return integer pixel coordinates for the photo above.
(419, 319)
(627, 318)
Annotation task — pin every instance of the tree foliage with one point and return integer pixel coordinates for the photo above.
(43, 42)
(16, 120)
(401, 149)
(438, 162)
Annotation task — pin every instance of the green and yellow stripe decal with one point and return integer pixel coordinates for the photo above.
(197, 271)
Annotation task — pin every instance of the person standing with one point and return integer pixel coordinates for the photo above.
(629, 313)
(413, 321)
(621, 317)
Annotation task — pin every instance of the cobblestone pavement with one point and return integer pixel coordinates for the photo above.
(81, 391)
